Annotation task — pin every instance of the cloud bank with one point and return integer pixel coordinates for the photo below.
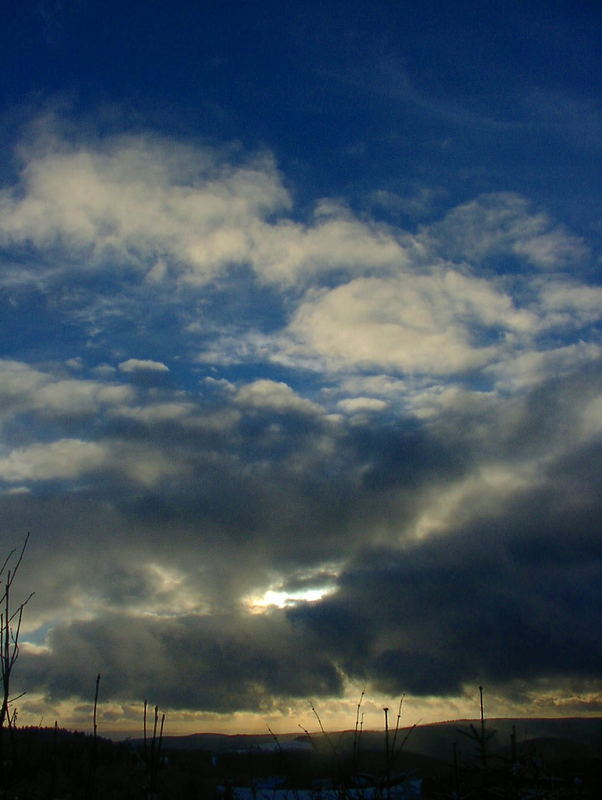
(243, 396)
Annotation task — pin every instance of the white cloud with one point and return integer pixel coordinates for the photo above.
(78, 397)
(569, 304)
(522, 370)
(18, 380)
(435, 399)
(142, 365)
(414, 323)
(23, 387)
(380, 385)
(274, 395)
(352, 405)
(233, 348)
(367, 296)
(65, 458)
(288, 253)
(137, 200)
(104, 370)
(71, 459)
(163, 209)
(158, 412)
(505, 224)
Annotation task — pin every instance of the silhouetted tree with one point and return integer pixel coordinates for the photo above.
(10, 626)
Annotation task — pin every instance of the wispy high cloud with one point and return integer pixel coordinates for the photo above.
(505, 225)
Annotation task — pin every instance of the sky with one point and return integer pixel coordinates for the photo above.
(301, 360)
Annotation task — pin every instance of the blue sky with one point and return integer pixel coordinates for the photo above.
(300, 310)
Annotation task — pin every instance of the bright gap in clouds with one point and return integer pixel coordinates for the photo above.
(277, 597)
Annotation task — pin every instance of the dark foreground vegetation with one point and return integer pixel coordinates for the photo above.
(450, 760)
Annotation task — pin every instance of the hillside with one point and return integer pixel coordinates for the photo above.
(435, 740)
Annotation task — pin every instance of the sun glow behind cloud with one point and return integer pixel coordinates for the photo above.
(277, 598)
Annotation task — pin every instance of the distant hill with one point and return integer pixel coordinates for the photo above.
(437, 739)
(579, 734)
(222, 742)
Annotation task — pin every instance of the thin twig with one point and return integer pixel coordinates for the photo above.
(357, 731)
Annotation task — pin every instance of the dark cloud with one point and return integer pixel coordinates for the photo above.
(465, 548)
(405, 456)
(509, 597)
(217, 663)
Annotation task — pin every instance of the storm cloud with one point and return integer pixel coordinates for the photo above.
(462, 549)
